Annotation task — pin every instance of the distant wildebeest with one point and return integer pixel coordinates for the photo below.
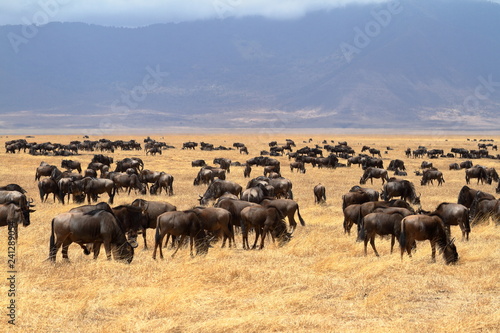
(183, 224)
(299, 166)
(244, 150)
(71, 165)
(430, 175)
(96, 227)
(151, 209)
(287, 207)
(454, 166)
(153, 151)
(371, 173)
(11, 215)
(476, 172)
(106, 160)
(263, 220)
(368, 161)
(166, 182)
(319, 194)
(425, 165)
(198, 163)
(466, 164)
(129, 162)
(224, 163)
(396, 164)
(204, 176)
(147, 176)
(400, 188)
(247, 171)
(424, 227)
(218, 188)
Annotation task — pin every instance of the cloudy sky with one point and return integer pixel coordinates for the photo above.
(144, 12)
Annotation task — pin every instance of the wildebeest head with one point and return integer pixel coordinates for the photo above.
(450, 253)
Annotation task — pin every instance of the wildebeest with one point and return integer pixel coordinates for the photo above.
(368, 161)
(319, 193)
(287, 207)
(12, 187)
(128, 182)
(454, 214)
(263, 220)
(454, 166)
(198, 163)
(466, 164)
(371, 173)
(282, 187)
(218, 188)
(426, 165)
(183, 224)
(492, 175)
(153, 151)
(484, 208)
(430, 175)
(19, 199)
(47, 186)
(96, 227)
(95, 186)
(44, 170)
(216, 219)
(358, 195)
(247, 171)
(299, 166)
(253, 194)
(151, 209)
(166, 182)
(204, 176)
(467, 195)
(129, 162)
(476, 172)
(425, 227)
(396, 164)
(71, 165)
(100, 158)
(402, 188)
(382, 224)
(234, 206)
(224, 163)
(11, 215)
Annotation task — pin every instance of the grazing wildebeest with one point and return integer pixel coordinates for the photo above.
(153, 151)
(253, 194)
(368, 161)
(11, 215)
(427, 227)
(225, 163)
(128, 182)
(218, 188)
(430, 175)
(299, 166)
(71, 165)
(402, 188)
(492, 175)
(371, 173)
(244, 150)
(129, 162)
(381, 224)
(263, 220)
(282, 187)
(151, 209)
(396, 164)
(319, 193)
(454, 214)
(374, 152)
(484, 208)
(95, 186)
(287, 207)
(466, 164)
(426, 165)
(467, 195)
(358, 195)
(12, 187)
(198, 163)
(454, 166)
(19, 199)
(166, 182)
(147, 176)
(47, 186)
(247, 171)
(180, 223)
(44, 170)
(217, 219)
(355, 160)
(95, 227)
(100, 158)
(476, 172)
(204, 176)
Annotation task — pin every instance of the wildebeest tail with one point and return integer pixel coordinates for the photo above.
(157, 235)
(402, 236)
(466, 221)
(52, 242)
(302, 222)
(361, 229)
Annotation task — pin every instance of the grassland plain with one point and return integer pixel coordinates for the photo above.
(319, 282)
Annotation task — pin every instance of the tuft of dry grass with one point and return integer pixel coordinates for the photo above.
(320, 281)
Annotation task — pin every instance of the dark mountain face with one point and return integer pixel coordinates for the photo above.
(409, 64)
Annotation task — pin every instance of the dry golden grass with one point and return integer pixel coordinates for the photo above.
(319, 282)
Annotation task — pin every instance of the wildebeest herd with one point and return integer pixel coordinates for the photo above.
(227, 207)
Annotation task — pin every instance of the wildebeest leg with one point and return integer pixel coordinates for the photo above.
(179, 245)
(96, 249)
(65, 246)
(393, 238)
(292, 222)
(433, 247)
(262, 237)
(257, 233)
(54, 249)
(372, 243)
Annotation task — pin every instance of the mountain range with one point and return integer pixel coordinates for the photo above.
(415, 64)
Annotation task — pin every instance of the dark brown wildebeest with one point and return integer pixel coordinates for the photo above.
(11, 215)
(426, 165)
(180, 223)
(263, 220)
(297, 165)
(217, 173)
(497, 190)
(374, 152)
(47, 186)
(466, 164)
(204, 176)
(371, 173)
(94, 186)
(492, 175)
(71, 165)
(44, 170)
(430, 175)
(355, 160)
(234, 206)
(218, 188)
(128, 182)
(216, 219)
(96, 227)
(282, 187)
(396, 164)
(319, 194)
(129, 162)
(247, 171)
(166, 182)
(244, 150)
(253, 194)
(12, 187)
(476, 172)
(287, 207)
(224, 163)
(402, 188)
(467, 195)
(153, 151)
(151, 209)
(381, 223)
(198, 163)
(368, 161)
(454, 214)
(357, 197)
(427, 227)
(147, 176)
(484, 208)
(92, 173)
(454, 166)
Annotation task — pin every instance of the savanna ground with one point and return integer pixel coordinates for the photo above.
(319, 282)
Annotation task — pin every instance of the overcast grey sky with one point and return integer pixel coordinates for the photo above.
(144, 12)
